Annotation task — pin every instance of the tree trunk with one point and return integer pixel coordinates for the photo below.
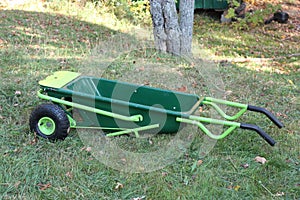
(186, 25)
(160, 37)
(172, 28)
(171, 35)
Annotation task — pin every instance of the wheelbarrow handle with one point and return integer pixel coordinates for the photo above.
(267, 113)
(263, 134)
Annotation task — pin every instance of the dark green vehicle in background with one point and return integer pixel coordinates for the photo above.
(211, 4)
(219, 5)
(207, 4)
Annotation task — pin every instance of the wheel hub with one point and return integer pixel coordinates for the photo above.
(46, 125)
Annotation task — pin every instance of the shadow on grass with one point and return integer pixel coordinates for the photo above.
(35, 37)
(33, 45)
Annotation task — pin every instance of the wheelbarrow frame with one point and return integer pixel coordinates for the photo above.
(58, 88)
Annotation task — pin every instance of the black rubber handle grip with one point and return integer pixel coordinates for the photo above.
(263, 134)
(267, 113)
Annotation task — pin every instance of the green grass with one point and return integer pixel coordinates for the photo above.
(36, 41)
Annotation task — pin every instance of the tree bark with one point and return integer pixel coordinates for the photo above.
(173, 34)
(186, 25)
(172, 28)
(160, 37)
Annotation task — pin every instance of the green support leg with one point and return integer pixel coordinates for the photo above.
(213, 102)
(195, 120)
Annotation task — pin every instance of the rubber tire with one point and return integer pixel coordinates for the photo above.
(57, 114)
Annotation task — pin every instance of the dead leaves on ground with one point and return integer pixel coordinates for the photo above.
(35, 139)
(182, 89)
(245, 166)
(43, 186)
(234, 187)
(257, 159)
(260, 159)
(69, 174)
(119, 186)
(199, 162)
(88, 149)
(16, 185)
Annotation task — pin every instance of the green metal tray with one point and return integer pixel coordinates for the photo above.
(155, 105)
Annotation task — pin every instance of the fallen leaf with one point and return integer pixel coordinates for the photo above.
(236, 188)
(17, 184)
(279, 194)
(261, 160)
(146, 83)
(35, 139)
(164, 174)
(278, 114)
(82, 149)
(182, 89)
(180, 73)
(194, 84)
(88, 149)
(18, 92)
(17, 150)
(199, 162)
(44, 186)
(119, 186)
(201, 109)
(150, 141)
(291, 82)
(141, 69)
(228, 92)
(288, 160)
(245, 166)
(69, 174)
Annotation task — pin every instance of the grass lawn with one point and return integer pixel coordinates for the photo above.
(259, 66)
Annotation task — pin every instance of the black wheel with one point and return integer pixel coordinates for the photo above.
(49, 121)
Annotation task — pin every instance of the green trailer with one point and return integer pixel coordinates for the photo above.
(122, 108)
(210, 4)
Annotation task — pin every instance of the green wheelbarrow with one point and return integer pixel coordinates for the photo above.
(122, 108)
